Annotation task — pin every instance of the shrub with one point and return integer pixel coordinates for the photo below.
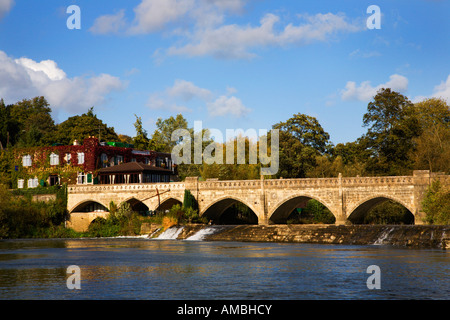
(436, 204)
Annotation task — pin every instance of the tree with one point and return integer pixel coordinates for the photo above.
(436, 204)
(162, 137)
(432, 147)
(189, 200)
(390, 133)
(84, 126)
(28, 123)
(141, 140)
(301, 139)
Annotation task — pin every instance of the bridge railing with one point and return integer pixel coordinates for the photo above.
(256, 184)
(125, 187)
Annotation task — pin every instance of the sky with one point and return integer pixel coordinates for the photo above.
(231, 64)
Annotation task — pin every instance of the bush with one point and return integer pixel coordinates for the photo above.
(389, 212)
(436, 204)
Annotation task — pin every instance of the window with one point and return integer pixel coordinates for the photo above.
(33, 183)
(54, 159)
(53, 180)
(20, 183)
(68, 158)
(80, 157)
(81, 178)
(26, 161)
(118, 160)
(104, 160)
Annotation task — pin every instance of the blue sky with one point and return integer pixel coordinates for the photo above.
(229, 63)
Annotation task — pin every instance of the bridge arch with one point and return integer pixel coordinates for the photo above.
(215, 209)
(359, 210)
(89, 205)
(284, 208)
(167, 203)
(137, 205)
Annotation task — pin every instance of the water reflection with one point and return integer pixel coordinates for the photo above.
(169, 269)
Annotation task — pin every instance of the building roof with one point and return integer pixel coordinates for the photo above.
(130, 167)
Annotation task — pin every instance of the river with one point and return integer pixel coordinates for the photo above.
(141, 268)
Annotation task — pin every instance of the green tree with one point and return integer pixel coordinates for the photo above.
(84, 126)
(390, 133)
(29, 123)
(140, 141)
(189, 200)
(162, 137)
(436, 204)
(432, 147)
(301, 139)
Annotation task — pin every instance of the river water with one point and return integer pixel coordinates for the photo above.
(141, 268)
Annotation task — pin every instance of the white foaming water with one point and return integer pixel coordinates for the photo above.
(383, 236)
(200, 235)
(171, 233)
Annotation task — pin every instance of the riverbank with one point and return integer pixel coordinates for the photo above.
(416, 236)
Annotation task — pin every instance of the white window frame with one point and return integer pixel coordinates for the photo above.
(26, 161)
(54, 159)
(81, 178)
(80, 157)
(68, 158)
(33, 182)
(20, 183)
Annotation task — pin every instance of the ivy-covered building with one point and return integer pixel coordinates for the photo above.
(80, 163)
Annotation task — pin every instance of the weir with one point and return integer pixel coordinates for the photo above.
(396, 235)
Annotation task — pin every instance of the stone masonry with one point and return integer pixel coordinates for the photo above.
(348, 198)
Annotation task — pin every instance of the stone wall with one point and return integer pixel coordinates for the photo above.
(422, 236)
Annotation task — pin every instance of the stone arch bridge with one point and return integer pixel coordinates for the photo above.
(272, 200)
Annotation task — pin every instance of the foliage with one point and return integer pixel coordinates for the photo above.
(301, 140)
(189, 201)
(389, 212)
(390, 133)
(21, 217)
(162, 137)
(121, 221)
(141, 140)
(81, 127)
(314, 212)
(26, 123)
(432, 147)
(436, 204)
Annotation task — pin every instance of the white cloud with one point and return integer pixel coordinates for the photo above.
(153, 15)
(5, 7)
(156, 15)
(234, 41)
(201, 28)
(157, 101)
(25, 78)
(365, 92)
(113, 23)
(224, 105)
(185, 91)
(443, 90)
